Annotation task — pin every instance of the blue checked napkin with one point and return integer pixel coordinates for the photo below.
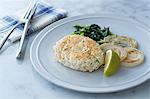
(44, 15)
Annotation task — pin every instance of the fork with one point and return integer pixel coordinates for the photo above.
(27, 20)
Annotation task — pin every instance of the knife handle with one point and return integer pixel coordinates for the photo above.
(4, 39)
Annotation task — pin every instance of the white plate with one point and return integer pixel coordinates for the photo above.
(43, 60)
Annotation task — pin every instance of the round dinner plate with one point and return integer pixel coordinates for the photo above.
(43, 60)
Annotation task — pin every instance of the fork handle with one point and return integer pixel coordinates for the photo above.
(4, 39)
(22, 40)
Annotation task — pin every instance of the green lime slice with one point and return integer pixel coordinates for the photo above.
(112, 63)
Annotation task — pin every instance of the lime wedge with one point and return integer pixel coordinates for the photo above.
(112, 63)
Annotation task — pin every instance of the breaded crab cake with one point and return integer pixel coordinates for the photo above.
(79, 53)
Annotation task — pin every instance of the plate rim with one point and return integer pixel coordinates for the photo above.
(82, 90)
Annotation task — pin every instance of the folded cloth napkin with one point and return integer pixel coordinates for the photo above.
(44, 15)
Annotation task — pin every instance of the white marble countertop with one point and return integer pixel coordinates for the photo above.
(18, 79)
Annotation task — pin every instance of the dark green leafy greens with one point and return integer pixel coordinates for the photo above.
(93, 31)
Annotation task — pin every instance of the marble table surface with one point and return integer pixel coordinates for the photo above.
(18, 79)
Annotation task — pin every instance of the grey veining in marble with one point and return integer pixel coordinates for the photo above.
(18, 80)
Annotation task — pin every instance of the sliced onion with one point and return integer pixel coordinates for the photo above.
(121, 41)
(121, 51)
(134, 58)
